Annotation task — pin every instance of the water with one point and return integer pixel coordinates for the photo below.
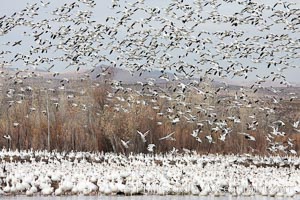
(142, 197)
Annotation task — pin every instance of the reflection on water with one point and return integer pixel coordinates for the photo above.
(145, 197)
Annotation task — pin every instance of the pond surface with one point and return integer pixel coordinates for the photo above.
(145, 197)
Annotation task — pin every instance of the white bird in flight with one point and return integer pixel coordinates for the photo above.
(195, 133)
(248, 136)
(168, 137)
(7, 137)
(209, 138)
(125, 144)
(143, 135)
(296, 124)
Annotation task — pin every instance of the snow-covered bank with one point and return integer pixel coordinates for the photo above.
(41, 172)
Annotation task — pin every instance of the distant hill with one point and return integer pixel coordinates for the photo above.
(125, 76)
(102, 72)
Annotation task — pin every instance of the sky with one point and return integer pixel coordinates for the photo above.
(102, 10)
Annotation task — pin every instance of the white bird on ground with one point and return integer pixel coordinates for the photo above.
(143, 135)
(174, 151)
(150, 147)
(168, 137)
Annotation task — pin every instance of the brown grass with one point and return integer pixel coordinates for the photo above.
(96, 125)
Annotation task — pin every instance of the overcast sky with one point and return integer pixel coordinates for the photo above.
(102, 10)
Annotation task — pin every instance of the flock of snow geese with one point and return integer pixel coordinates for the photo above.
(191, 44)
(83, 173)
